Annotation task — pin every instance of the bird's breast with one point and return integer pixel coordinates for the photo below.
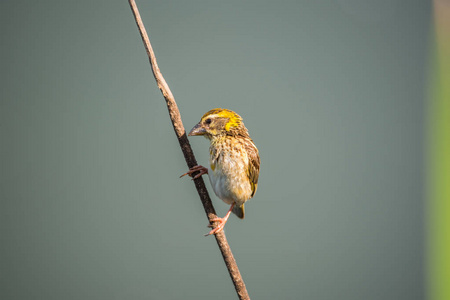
(228, 176)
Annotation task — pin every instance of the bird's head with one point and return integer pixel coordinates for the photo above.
(219, 122)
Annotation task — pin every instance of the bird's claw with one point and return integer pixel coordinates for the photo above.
(219, 226)
(201, 169)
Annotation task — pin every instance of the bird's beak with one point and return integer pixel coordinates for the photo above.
(197, 130)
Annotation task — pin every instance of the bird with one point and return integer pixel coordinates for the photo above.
(234, 161)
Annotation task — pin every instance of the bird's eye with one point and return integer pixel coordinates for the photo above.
(208, 121)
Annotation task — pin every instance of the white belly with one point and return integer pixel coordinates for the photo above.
(230, 183)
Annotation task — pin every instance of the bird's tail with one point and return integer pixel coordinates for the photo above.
(239, 211)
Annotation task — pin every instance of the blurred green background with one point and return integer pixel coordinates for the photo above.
(333, 94)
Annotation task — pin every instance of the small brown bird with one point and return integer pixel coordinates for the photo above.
(233, 163)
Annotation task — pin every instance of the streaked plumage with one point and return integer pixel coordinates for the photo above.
(234, 160)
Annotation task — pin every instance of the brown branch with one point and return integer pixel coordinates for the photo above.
(175, 117)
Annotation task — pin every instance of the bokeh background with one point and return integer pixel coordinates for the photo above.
(333, 93)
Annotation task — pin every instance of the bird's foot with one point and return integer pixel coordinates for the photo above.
(219, 226)
(201, 169)
(221, 221)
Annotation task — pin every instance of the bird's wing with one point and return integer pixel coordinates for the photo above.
(253, 165)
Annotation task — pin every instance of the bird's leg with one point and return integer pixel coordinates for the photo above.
(201, 169)
(221, 221)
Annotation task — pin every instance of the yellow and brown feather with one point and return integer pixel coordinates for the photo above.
(227, 133)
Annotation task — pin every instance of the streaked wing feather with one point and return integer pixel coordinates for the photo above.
(253, 165)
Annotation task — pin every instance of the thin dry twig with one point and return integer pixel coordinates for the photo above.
(175, 117)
